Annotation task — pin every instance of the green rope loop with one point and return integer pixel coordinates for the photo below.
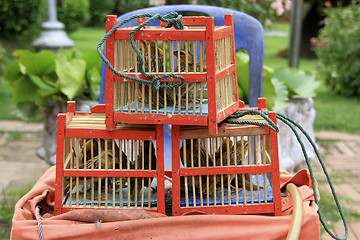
(292, 124)
(173, 19)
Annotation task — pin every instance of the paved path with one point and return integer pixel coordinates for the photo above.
(341, 154)
(20, 166)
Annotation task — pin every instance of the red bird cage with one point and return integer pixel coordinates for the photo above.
(210, 92)
(233, 172)
(96, 168)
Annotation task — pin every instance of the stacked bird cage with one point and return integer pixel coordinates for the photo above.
(96, 168)
(210, 92)
(233, 172)
(108, 158)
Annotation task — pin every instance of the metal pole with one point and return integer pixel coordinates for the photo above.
(295, 33)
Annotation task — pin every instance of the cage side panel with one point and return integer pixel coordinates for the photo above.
(160, 168)
(109, 75)
(110, 171)
(59, 163)
(219, 172)
(160, 57)
(175, 134)
(211, 70)
(229, 21)
(275, 165)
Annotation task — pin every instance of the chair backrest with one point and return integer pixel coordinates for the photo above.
(249, 35)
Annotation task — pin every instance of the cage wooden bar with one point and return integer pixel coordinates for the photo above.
(202, 53)
(96, 168)
(233, 172)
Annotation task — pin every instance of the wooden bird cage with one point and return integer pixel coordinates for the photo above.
(96, 168)
(210, 92)
(233, 172)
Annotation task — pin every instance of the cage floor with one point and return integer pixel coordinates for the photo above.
(113, 199)
(168, 109)
(222, 197)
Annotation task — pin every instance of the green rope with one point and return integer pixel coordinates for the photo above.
(292, 124)
(173, 19)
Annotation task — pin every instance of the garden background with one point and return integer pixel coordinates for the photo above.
(330, 59)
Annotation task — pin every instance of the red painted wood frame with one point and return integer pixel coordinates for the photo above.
(226, 130)
(210, 35)
(155, 133)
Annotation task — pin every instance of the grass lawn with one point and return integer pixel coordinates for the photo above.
(86, 39)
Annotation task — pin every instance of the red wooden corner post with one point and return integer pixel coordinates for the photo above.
(61, 123)
(229, 21)
(160, 168)
(109, 75)
(70, 107)
(262, 104)
(211, 70)
(275, 167)
(175, 135)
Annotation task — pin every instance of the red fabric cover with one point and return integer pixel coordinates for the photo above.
(139, 224)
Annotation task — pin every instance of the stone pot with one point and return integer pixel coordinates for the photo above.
(302, 111)
(47, 151)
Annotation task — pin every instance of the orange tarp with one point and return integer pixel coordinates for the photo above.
(139, 224)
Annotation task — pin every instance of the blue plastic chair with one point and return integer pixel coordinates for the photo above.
(249, 35)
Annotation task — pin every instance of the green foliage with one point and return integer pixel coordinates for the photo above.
(39, 78)
(278, 85)
(4, 60)
(98, 11)
(338, 50)
(124, 6)
(74, 14)
(19, 19)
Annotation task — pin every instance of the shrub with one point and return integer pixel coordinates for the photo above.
(98, 11)
(338, 50)
(74, 14)
(124, 6)
(19, 18)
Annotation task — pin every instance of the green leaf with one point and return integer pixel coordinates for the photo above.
(71, 75)
(93, 78)
(268, 90)
(41, 63)
(27, 110)
(39, 82)
(281, 94)
(298, 81)
(92, 59)
(24, 90)
(13, 72)
(242, 65)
